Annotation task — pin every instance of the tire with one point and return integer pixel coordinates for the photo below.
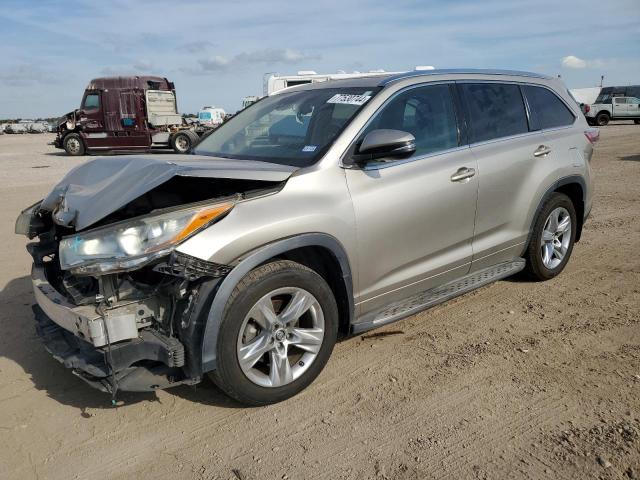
(256, 380)
(183, 142)
(602, 119)
(637, 121)
(73, 145)
(541, 266)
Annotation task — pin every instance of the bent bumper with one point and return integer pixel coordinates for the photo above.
(83, 321)
(73, 334)
(102, 369)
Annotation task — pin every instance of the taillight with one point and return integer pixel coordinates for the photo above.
(592, 134)
(587, 108)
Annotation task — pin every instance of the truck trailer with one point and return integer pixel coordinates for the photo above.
(126, 113)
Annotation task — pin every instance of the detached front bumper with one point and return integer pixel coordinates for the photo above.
(73, 335)
(83, 321)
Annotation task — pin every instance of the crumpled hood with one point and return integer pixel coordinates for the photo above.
(93, 190)
(64, 118)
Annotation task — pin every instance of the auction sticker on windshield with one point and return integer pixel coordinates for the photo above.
(349, 99)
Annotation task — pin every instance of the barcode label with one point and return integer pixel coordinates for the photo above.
(348, 99)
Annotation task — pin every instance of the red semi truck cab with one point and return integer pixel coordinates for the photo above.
(125, 113)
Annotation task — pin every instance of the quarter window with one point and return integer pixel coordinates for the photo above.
(425, 112)
(549, 110)
(496, 110)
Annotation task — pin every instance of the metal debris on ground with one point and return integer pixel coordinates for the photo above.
(382, 334)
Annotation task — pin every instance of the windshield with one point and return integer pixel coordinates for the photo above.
(293, 128)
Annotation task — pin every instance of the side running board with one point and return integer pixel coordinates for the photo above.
(437, 295)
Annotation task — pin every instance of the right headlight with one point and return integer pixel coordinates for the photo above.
(135, 242)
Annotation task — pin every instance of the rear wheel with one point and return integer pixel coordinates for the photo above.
(637, 122)
(73, 145)
(602, 119)
(183, 142)
(552, 238)
(276, 335)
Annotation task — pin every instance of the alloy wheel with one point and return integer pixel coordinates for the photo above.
(556, 237)
(280, 337)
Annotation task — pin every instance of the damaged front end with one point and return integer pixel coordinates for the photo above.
(64, 124)
(116, 302)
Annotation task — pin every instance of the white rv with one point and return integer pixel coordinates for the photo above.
(274, 82)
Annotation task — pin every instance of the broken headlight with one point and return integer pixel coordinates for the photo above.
(135, 242)
(28, 223)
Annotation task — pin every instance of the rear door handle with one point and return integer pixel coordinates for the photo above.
(541, 151)
(462, 174)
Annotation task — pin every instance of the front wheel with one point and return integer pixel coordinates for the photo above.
(73, 145)
(637, 122)
(552, 238)
(278, 330)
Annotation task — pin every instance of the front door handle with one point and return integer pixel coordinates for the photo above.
(541, 151)
(462, 174)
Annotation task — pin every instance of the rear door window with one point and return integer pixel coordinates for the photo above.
(496, 110)
(548, 109)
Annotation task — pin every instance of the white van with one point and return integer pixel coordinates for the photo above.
(211, 116)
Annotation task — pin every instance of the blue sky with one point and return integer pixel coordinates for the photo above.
(216, 52)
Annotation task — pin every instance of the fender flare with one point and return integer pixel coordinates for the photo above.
(250, 261)
(557, 184)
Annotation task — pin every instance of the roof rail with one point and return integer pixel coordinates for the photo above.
(453, 71)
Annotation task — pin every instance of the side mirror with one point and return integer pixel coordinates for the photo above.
(385, 143)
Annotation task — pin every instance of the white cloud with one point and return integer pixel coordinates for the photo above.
(269, 56)
(571, 61)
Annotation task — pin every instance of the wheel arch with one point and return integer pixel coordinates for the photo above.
(76, 130)
(575, 187)
(576, 192)
(319, 250)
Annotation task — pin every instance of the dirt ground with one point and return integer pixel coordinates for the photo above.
(516, 380)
